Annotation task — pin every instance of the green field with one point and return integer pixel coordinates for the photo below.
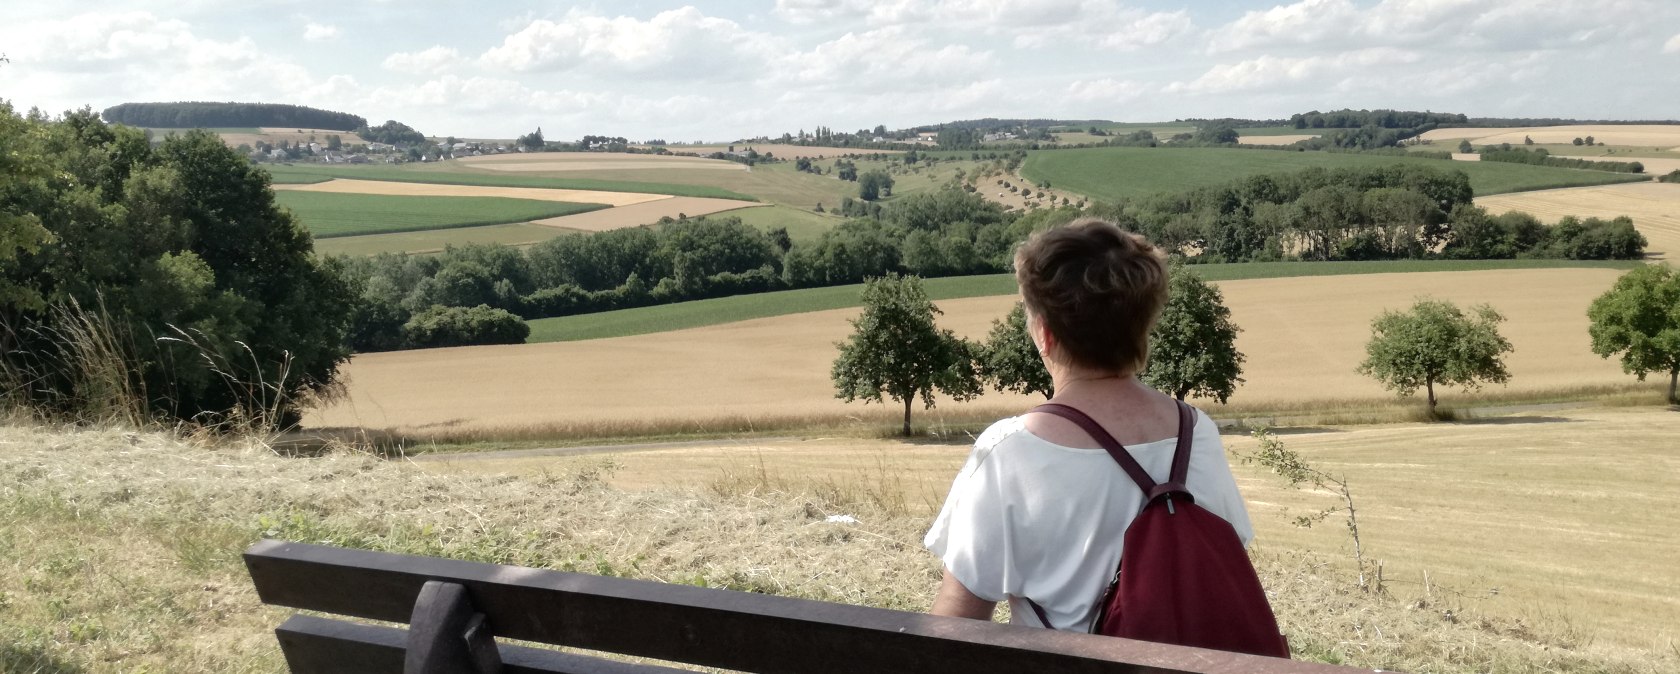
(802, 225)
(435, 240)
(446, 174)
(328, 214)
(701, 313)
(1114, 173)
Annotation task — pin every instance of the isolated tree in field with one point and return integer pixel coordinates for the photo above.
(896, 351)
(1193, 348)
(1435, 343)
(1639, 318)
(1010, 360)
(1464, 147)
(533, 140)
(874, 184)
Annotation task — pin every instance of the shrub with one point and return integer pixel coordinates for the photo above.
(463, 326)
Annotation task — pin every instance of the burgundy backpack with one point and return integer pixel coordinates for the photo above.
(1184, 577)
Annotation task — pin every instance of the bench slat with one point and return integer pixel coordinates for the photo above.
(715, 628)
(321, 646)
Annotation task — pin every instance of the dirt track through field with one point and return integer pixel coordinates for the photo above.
(1303, 338)
(595, 161)
(1654, 207)
(394, 188)
(645, 213)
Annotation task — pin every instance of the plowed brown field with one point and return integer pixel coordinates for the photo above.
(1303, 338)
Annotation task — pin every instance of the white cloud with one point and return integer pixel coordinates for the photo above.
(1105, 90)
(319, 32)
(431, 61)
(1471, 25)
(123, 38)
(677, 43)
(883, 58)
(1672, 46)
(1269, 71)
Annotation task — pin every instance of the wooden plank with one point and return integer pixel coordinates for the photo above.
(715, 628)
(321, 646)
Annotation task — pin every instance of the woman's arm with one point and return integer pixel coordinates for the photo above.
(955, 600)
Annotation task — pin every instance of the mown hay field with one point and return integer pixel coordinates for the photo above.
(1115, 173)
(1507, 512)
(537, 162)
(122, 550)
(329, 214)
(1654, 207)
(1663, 135)
(644, 213)
(1303, 338)
(457, 173)
(410, 189)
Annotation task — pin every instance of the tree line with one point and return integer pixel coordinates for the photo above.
(200, 114)
(1540, 157)
(1382, 119)
(1394, 212)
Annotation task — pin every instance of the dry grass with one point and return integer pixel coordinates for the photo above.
(1508, 511)
(439, 190)
(645, 213)
(1303, 338)
(595, 161)
(1654, 207)
(1610, 134)
(121, 549)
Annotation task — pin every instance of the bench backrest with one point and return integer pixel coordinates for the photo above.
(460, 605)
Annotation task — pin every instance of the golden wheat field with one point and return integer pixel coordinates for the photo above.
(594, 161)
(1651, 135)
(645, 213)
(388, 187)
(1555, 516)
(1303, 338)
(1654, 207)
(781, 151)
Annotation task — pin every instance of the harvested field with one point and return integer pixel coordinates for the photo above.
(404, 189)
(1654, 166)
(1522, 534)
(1610, 134)
(595, 161)
(1275, 140)
(781, 151)
(1654, 207)
(1303, 338)
(644, 213)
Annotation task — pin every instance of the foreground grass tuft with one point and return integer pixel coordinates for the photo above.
(120, 553)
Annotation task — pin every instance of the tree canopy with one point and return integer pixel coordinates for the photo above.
(1435, 343)
(1639, 318)
(199, 114)
(1193, 348)
(207, 293)
(896, 351)
(1010, 360)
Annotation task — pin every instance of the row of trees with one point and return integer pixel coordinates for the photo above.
(1540, 157)
(896, 350)
(1383, 119)
(198, 114)
(392, 132)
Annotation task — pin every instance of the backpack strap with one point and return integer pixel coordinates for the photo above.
(1175, 483)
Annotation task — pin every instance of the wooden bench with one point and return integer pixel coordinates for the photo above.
(456, 610)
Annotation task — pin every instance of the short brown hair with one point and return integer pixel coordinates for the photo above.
(1099, 290)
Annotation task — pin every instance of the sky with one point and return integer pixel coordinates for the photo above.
(718, 71)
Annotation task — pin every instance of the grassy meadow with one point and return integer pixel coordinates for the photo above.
(446, 173)
(435, 240)
(1500, 552)
(1114, 173)
(329, 214)
(698, 313)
